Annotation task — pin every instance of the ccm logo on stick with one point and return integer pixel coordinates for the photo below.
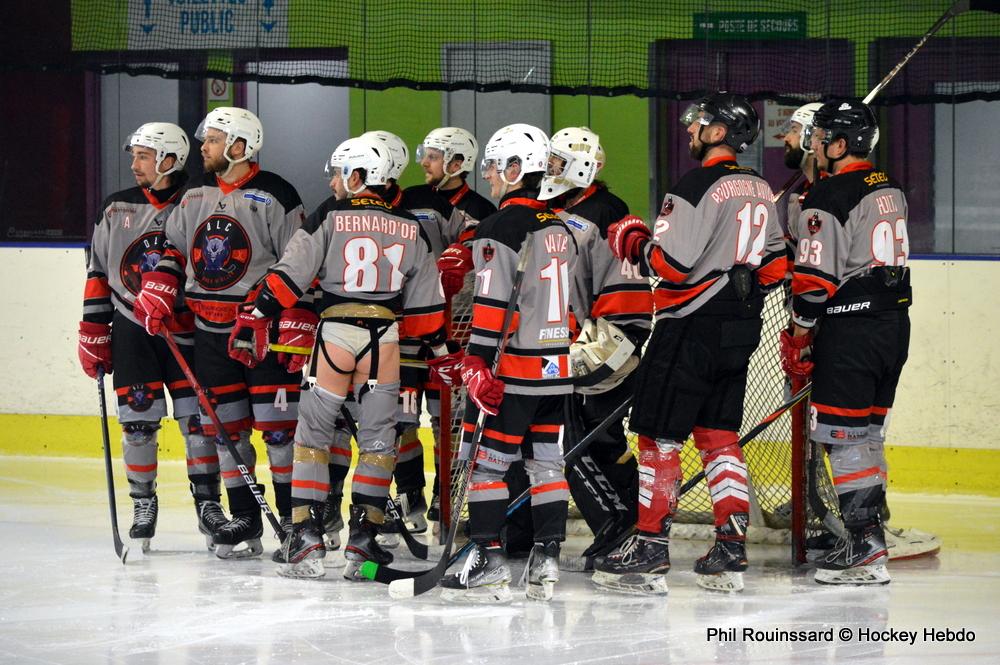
(843, 309)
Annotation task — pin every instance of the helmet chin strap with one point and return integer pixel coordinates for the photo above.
(831, 160)
(705, 146)
(232, 162)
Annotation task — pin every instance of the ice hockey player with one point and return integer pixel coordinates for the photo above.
(533, 376)
(231, 226)
(615, 304)
(127, 243)
(373, 263)
(716, 247)
(851, 291)
(902, 543)
(449, 211)
(799, 156)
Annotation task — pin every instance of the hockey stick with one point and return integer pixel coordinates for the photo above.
(220, 434)
(387, 575)
(427, 580)
(120, 549)
(958, 7)
(754, 432)
(416, 548)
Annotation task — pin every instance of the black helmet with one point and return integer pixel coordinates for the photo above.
(850, 119)
(734, 111)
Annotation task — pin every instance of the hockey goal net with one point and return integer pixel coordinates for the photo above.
(775, 460)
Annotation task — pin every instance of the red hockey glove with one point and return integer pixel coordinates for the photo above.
(453, 264)
(795, 353)
(447, 369)
(627, 238)
(248, 341)
(155, 303)
(95, 348)
(485, 390)
(296, 327)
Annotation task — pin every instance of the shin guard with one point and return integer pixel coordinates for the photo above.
(549, 499)
(659, 483)
(725, 472)
(139, 450)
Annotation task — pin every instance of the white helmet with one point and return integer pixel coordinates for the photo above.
(519, 142)
(361, 153)
(238, 124)
(398, 151)
(581, 156)
(166, 139)
(804, 116)
(452, 142)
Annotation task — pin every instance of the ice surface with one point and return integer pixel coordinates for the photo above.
(65, 598)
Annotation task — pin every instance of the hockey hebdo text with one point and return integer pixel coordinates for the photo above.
(858, 635)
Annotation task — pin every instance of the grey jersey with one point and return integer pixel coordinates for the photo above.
(128, 241)
(536, 360)
(361, 249)
(222, 238)
(715, 217)
(850, 223)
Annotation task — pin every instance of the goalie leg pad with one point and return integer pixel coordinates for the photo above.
(139, 450)
(725, 472)
(659, 482)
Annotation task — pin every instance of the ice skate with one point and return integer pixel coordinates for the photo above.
(541, 572)
(818, 546)
(245, 527)
(858, 559)
(301, 555)
(639, 565)
(411, 507)
(210, 518)
(333, 521)
(144, 513)
(485, 577)
(361, 545)
(722, 568)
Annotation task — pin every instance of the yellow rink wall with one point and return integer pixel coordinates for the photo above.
(911, 468)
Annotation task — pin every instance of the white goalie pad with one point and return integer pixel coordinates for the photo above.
(601, 357)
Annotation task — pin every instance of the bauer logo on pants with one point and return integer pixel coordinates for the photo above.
(220, 253)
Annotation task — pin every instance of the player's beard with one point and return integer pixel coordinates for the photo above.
(697, 150)
(216, 165)
(793, 156)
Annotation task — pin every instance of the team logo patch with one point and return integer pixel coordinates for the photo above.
(668, 206)
(220, 253)
(488, 252)
(576, 224)
(550, 367)
(140, 257)
(814, 223)
(139, 397)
